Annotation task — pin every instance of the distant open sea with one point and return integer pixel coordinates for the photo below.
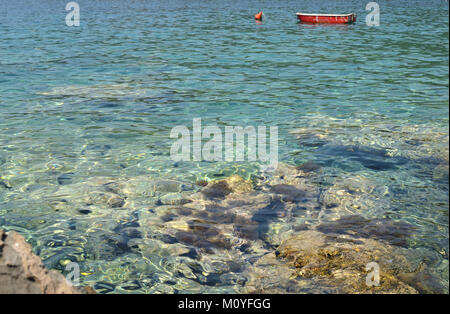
(81, 104)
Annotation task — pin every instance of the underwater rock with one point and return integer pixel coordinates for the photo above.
(174, 199)
(226, 216)
(424, 281)
(109, 239)
(342, 260)
(275, 209)
(393, 232)
(92, 194)
(115, 201)
(178, 225)
(309, 167)
(352, 195)
(23, 272)
(238, 185)
(220, 189)
(201, 183)
(298, 182)
(168, 186)
(379, 146)
(310, 138)
(371, 158)
(270, 275)
(205, 228)
(286, 174)
(289, 193)
(98, 197)
(312, 261)
(146, 187)
(236, 220)
(226, 226)
(217, 190)
(357, 184)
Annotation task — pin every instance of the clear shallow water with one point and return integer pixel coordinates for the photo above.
(101, 99)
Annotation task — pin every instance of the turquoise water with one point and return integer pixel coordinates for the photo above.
(100, 100)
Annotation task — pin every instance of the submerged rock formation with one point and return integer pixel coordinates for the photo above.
(23, 272)
(294, 230)
(278, 234)
(311, 261)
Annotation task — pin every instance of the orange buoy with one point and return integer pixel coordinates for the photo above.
(259, 16)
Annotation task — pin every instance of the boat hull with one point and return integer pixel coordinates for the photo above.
(327, 18)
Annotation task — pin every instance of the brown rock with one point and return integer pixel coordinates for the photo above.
(311, 261)
(342, 260)
(23, 272)
(289, 193)
(233, 184)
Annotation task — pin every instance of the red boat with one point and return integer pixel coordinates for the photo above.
(327, 18)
